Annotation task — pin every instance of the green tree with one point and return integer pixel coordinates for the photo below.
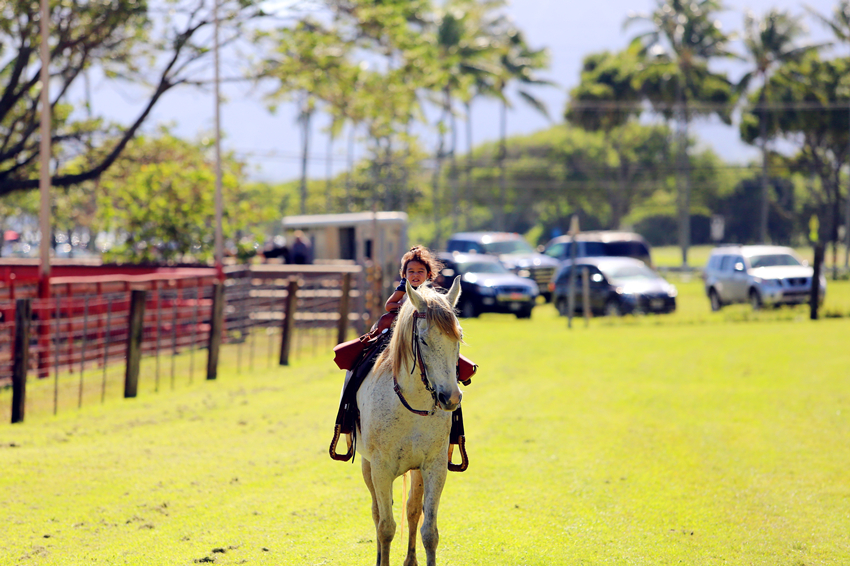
(306, 61)
(519, 65)
(158, 202)
(769, 43)
(812, 97)
(839, 24)
(607, 100)
(683, 37)
(127, 40)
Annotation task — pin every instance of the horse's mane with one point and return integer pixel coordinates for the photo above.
(439, 313)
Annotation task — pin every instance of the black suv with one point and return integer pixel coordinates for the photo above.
(616, 285)
(487, 286)
(513, 251)
(601, 243)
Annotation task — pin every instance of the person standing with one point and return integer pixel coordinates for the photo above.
(302, 252)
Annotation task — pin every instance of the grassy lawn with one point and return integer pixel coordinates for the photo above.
(696, 438)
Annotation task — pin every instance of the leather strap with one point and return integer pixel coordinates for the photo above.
(404, 402)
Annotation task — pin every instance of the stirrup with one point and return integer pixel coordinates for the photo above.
(336, 455)
(464, 460)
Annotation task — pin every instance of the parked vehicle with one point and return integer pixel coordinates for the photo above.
(600, 243)
(617, 286)
(487, 285)
(760, 275)
(512, 250)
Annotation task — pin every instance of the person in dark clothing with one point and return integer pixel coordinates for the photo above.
(301, 252)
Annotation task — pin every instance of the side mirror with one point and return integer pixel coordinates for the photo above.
(805, 263)
(739, 266)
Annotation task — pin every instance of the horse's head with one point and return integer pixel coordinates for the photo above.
(435, 339)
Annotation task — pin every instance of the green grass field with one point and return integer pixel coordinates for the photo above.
(697, 438)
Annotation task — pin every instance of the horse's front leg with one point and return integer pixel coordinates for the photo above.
(433, 479)
(381, 487)
(414, 512)
(366, 468)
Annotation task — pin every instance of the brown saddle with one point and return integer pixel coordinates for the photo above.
(359, 356)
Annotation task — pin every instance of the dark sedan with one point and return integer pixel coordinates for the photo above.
(616, 286)
(487, 285)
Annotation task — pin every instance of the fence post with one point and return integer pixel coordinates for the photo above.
(214, 344)
(135, 334)
(342, 328)
(814, 291)
(288, 321)
(585, 296)
(23, 317)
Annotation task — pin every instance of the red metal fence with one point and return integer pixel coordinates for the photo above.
(84, 324)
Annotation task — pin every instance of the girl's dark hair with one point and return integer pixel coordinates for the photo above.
(424, 256)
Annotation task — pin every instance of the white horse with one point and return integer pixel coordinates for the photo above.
(405, 408)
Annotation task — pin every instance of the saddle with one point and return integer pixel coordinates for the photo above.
(358, 356)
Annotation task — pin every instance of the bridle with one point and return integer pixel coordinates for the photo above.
(423, 371)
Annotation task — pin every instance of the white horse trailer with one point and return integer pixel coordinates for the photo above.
(365, 238)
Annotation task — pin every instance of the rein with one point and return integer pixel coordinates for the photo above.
(417, 355)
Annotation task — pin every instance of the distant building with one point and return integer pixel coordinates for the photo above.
(360, 237)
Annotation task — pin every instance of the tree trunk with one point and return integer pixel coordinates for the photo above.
(351, 137)
(764, 207)
(503, 180)
(469, 199)
(847, 213)
(305, 150)
(438, 167)
(329, 174)
(453, 174)
(684, 192)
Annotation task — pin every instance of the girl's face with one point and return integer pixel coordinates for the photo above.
(416, 273)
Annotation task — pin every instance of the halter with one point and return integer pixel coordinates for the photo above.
(417, 355)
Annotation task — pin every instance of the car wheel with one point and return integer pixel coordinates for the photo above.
(755, 299)
(714, 299)
(612, 308)
(468, 310)
(525, 312)
(561, 305)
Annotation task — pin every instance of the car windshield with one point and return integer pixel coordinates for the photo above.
(626, 249)
(773, 260)
(630, 272)
(482, 267)
(508, 247)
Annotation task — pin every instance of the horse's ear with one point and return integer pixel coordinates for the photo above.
(454, 292)
(415, 298)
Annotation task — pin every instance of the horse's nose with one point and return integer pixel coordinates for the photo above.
(450, 401)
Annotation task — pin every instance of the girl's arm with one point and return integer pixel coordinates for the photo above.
(394, 302)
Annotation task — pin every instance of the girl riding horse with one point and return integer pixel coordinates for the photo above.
(418, 267)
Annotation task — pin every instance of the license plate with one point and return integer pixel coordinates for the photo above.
(515, 306)
(656, 304)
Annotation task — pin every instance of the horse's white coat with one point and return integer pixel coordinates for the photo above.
(393, 440)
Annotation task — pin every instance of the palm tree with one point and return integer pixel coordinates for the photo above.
(465, 55)
(519, 64)
(840, 26)
(683, 37)
(303, 58)
(606, 100)
(769, 43)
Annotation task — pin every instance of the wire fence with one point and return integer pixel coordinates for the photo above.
(79, 336)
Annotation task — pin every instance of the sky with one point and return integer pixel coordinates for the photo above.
(271, 143)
